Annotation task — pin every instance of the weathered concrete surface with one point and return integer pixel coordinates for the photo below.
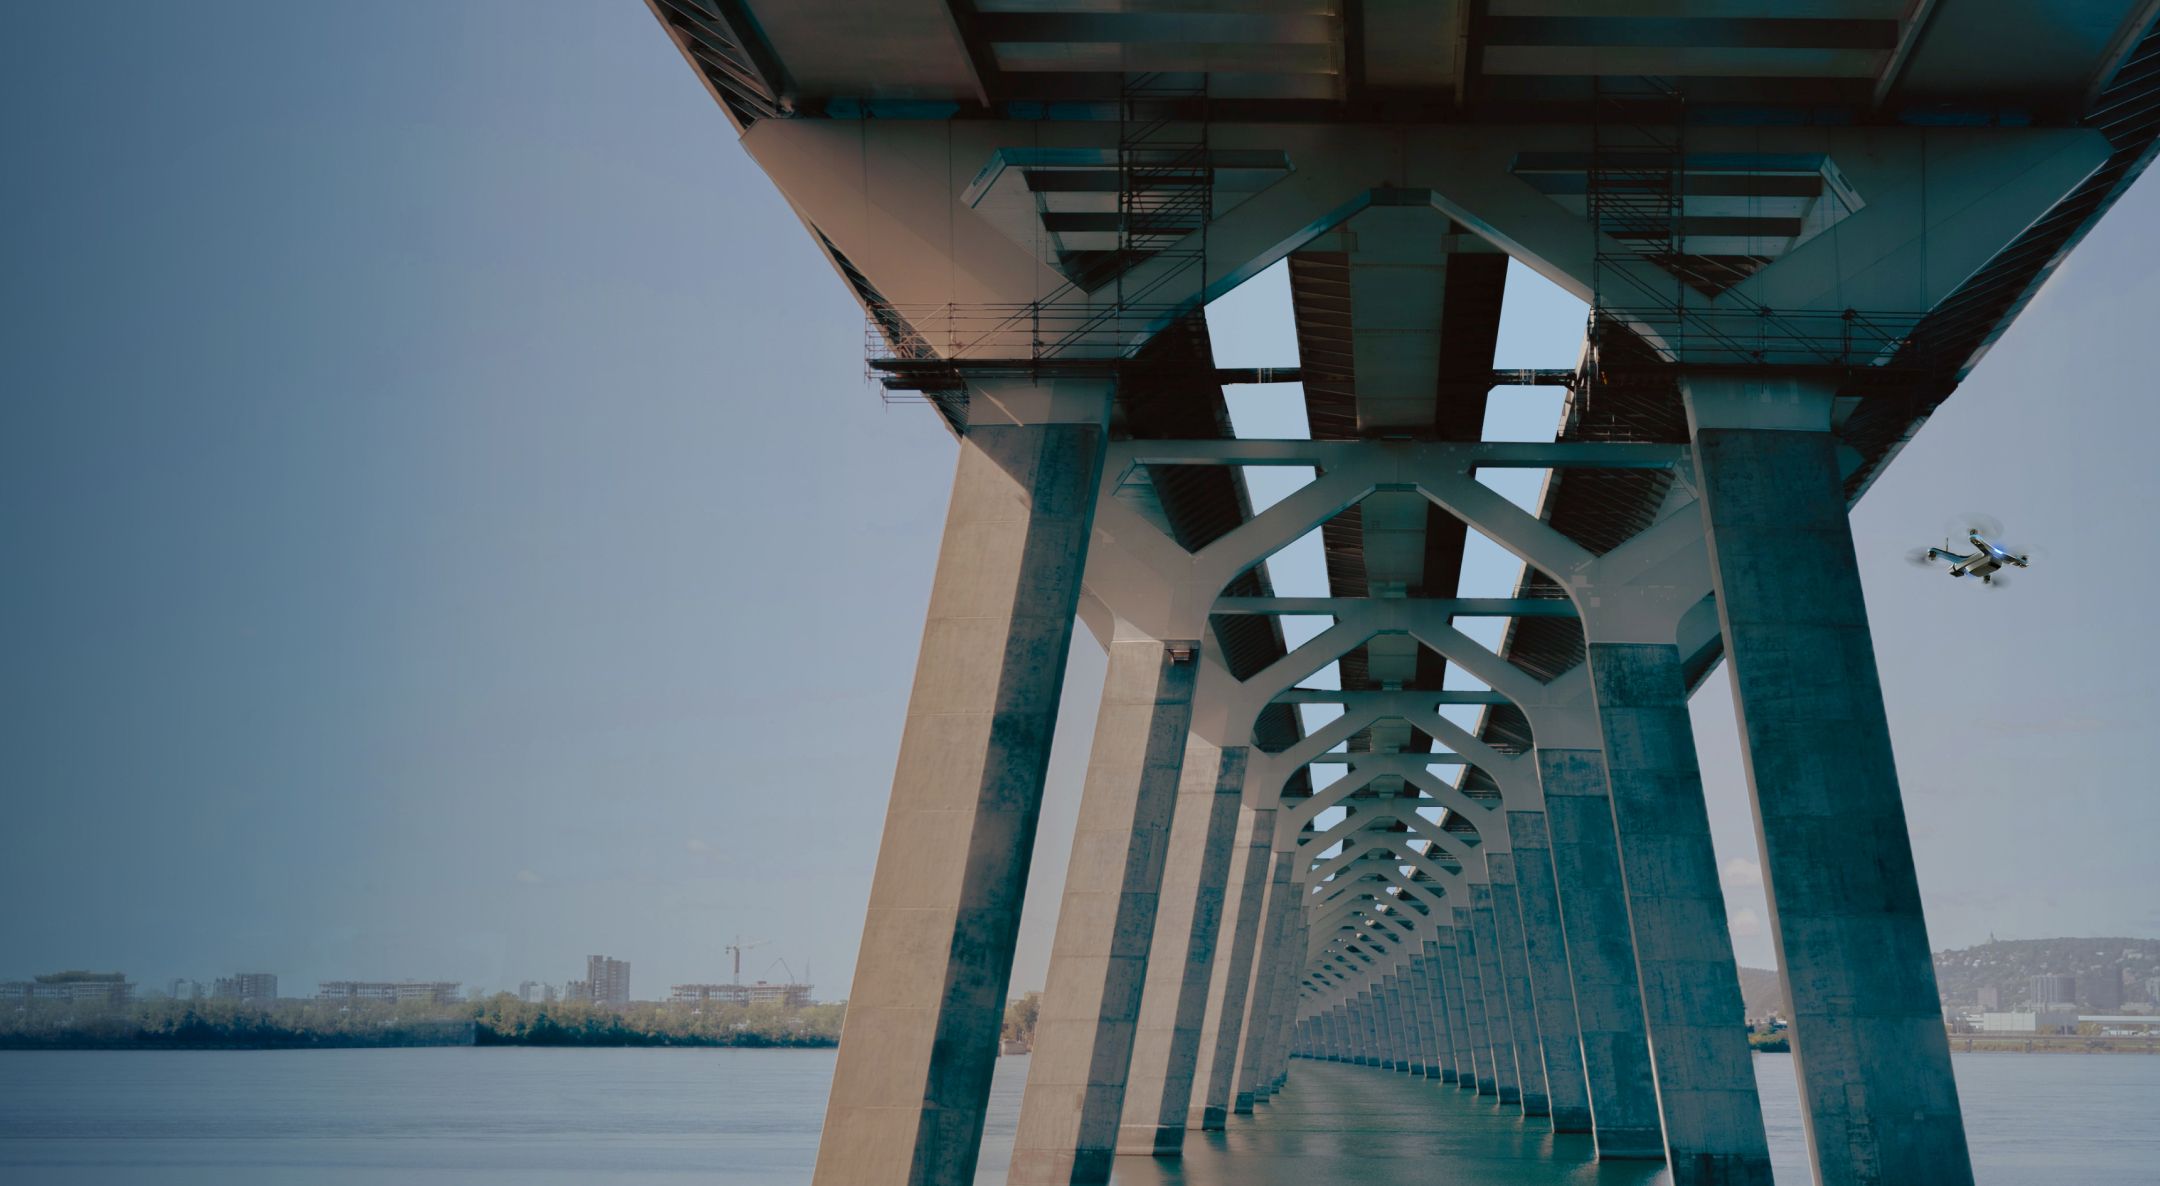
(1515, 975)
(1286, 1002)
(1279, 902)
(1474, 1011)
(1499, 1016)
(1412, 1058)
(1099, 952)
(928, 1000)
(1551, 986)
(1436, 992)
(1601, 954)
(1421, 1008)
(1406, 979)
(1173, 1007)
(1683, 950)
(1394, 1034)
(1868, 1041)
(1214, 1079)
(1456, 1002)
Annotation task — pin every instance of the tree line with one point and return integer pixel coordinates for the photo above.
(498, 1020)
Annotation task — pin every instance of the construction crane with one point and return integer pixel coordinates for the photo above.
(738, 947)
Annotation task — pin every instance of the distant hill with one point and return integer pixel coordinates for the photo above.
(1764, 995)
(2008, 965)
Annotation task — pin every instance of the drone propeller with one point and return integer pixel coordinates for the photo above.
(1921, 557)
(1988, 526)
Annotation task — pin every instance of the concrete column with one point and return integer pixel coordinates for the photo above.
(1373, 1042)
(1280, 892)
(1413, 1056)
(1436, 1000)
(1474, 1012)
(1683, 949)
(1084, 1036)
(1458, 1007)
(1601, 955)
(1285, 1007)
(1423, 1059)
(1868, 1043)
(1515, 974)
(1398, 1028)
(1215, 1063)
(1181, 960)
(913, 1073)
(1551, 988)
(1499, 1017)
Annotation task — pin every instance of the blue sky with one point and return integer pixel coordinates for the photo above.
(448, 531)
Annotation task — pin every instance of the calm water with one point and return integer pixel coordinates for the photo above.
(644, 1117)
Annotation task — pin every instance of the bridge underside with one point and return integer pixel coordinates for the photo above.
(1797, 229)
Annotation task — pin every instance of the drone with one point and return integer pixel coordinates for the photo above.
(1987, 558)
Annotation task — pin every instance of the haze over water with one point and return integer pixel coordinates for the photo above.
(648, 1117)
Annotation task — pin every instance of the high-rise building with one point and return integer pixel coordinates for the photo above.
(2104, 992)
(608, 980)
(245, 986)
(2152, 990)
(2053, 988)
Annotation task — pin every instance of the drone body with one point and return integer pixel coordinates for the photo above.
(1985, 560)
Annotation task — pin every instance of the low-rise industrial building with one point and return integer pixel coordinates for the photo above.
(77, 988)
(792, 996)
(2043, 1021)
(439, 992)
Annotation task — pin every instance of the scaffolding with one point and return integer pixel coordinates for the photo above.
(1165, 200)
(1652, 298)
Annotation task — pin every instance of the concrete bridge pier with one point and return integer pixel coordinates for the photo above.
(913, 1073)
(1413, 1049)
(1683, 949)
(1456, 1001)
(1173, 1008)
(1413, 1033)
(1287, 1006)
(1272, 952)
(1099, 955)
(1433, 1041)
(1515, 976)
(1546, 967)
(1600, 953)
(1436, 994)
(1474, 999)
(1398, 1025)
(1876, 1090)
(1273, 1032)
(1499, 1018)
(1215, 1063)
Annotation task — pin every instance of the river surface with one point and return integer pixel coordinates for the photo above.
(646, 1117)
